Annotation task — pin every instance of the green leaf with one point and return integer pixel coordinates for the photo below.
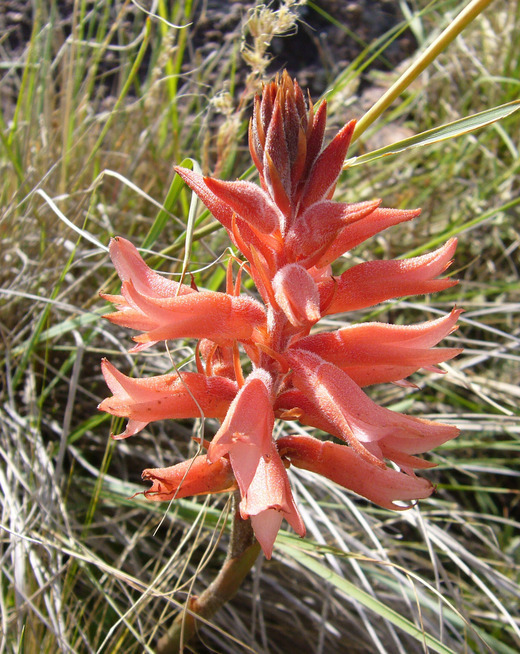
(438, 134)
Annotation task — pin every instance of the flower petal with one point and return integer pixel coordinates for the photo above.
(130, 266)
(268, 499)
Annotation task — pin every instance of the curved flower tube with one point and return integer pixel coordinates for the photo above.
(373, 282)
(376, 353)
(358, 420)
(176, 396)
(192, 477)
(341, 464)
(218, 317)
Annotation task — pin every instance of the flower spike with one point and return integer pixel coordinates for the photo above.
(288, 231)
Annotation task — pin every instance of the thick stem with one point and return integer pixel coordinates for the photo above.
(242, 553)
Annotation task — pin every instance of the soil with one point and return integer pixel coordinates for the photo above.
(328, 37)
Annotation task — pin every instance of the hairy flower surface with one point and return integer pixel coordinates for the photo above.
(289, 231)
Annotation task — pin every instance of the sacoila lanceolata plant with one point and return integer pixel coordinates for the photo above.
(287, 233)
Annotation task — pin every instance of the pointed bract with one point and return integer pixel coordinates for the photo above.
(363, 229)
(247, 201)
(222, 212)
(316, 230)
(327, 168)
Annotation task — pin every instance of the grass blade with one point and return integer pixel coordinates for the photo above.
(436, 135)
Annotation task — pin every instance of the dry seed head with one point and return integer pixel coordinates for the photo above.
(263, 25)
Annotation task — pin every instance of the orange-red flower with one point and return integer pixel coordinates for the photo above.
(374, 352)
(177, 395)
(219, 317)
(192, 477)
(289, 232)
(341, 464)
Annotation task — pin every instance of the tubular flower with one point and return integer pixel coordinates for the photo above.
(192, 477)
(219, 317)
(178, 395)
(289, 231)
(373, 353)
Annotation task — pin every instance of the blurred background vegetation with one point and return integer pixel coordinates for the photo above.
(98, 100)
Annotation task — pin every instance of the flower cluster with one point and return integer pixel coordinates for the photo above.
(289, 231)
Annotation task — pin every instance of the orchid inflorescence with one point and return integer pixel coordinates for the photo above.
(289, 232)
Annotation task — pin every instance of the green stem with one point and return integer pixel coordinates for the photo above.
(468, 14)
(242, 553)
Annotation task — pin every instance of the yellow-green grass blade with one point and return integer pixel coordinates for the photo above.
(438, 134)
